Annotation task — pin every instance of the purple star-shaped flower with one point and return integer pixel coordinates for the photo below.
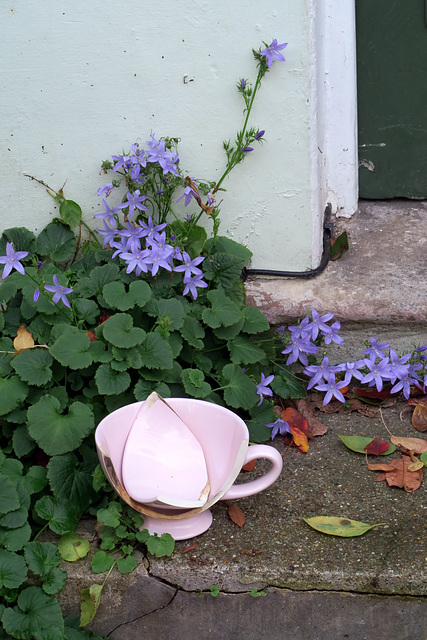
(351, 370)
(262, 387)
(188, 194)
(192, 283)
(106, 188)
(319, 372)
(376, 350)
(12, 260)
(60, 292)
(134, 201)
(378, 372)
(280, 426)
(136, 259)
(272, 52)
(332, 389)
(189, 266)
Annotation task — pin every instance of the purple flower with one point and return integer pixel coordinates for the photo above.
(122, 162)
(242, 83)
(378, 373)
(247, 149)
(108, 213)
(189, 266)
(404, 385)
(150, 230)
(60, 292)
(12, 260)
(262, 388)
(259, 134)
(280, 426)
(170, 164)
(332, 389)
(300, 330)
(107, 189)
(192, 282)
(136, 259)
(319, 372)
(108, 233)
(298, 349)
(188, 194)
(134, 201)
(318, 323)
(159, 154)
(157, 257)
(351, 370)
(375, 350)
(272, 52)
(399, 368)
(36, 295)
(332, 334)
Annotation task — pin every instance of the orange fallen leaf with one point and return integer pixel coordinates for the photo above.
(190, 548)
(300, 439)
(412, 444)
(419, 417)
(416, 465)
(400, 476)
(380, 467)
(236, 515)
(23, 340)
(295, 419)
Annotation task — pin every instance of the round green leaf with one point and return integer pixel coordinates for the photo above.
(119, 331)
(54, 582)
(358, 444)
(15, 539)
(13, 570)
(223, 311)
(72, 350)
(21, 238)
(338, 526)
(12, 392)
(56, 241)
(240, 390)
(156, 352)
(194, 383)
(73, 547)
(255, 321)
(71, 480)
(161, 545)
(127, 564)
(101, 562)
(56, 433)
(33, 366)
(117, 297)
(243, 350)
(70, 212)
(86, 310)
(9, 499)
(35, 612)
(62, 517)
(41, 557)
(143, 388)
(423, 457)
(22, 443)
(110, 382)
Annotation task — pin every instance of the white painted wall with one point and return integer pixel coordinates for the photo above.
(84, 80)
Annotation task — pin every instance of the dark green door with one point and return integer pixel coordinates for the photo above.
(392, 97)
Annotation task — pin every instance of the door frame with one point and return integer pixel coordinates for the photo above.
(334, 105)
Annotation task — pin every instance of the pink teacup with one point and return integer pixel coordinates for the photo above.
(224, 439)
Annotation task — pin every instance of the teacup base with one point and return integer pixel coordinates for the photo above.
(180, 529)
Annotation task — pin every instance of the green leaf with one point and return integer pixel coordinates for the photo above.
(110, 516)
(194, 384)
(72, 350)
(160, 546)
(13, 570)
(223, 311)
(73, 547)
(41, 557)
(35, 613)
(338, 526)
(240, 390)
(55, 581)
(7, 350)
(56, 241)
(230, 332)
(358, 444)
(119, 331)
(15, 519)
(35, 479)
(223, 269)
(156, 352)
(12, 392)
(70, 212)
(71, 480)
(222, 244)
(86, 310)
(22, 443)
(190, 237)
(15, 539)
(62, 517)
(255, 321)
(127, 564)
(286, 385)
(21, 238)
(33, 366)
(340, 246)
(117, 297)
(93, 285)
(260, 416)
(9, 499)
(423, 457)
(144, 388)
(8, 289)
(56, 433)
(110, 382)
(90, 599)
(101, 562)
(193, 332)
(243, 350)
(169, 311)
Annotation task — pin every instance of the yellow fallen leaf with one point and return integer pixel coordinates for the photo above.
(416, 465)
(23, 340)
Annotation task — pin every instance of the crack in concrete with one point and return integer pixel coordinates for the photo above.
(144, 615)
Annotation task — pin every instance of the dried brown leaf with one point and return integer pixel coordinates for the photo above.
(23, 340)
(190, 548)
(250, 466)
(236, 515)
(419, 417)
(402, 477)
(317, 428)
(380, 467)
(412, 444)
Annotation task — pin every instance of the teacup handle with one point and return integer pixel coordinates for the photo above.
(250, 488)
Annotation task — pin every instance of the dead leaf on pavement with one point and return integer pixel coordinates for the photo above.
(400, 476)
(411, 444)
(377, 446)
(300, 439)
(379, 466)
(190, 548)
(295, 419)
(236, 515)
(317, 428)
(416, 465)
(250, 466)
